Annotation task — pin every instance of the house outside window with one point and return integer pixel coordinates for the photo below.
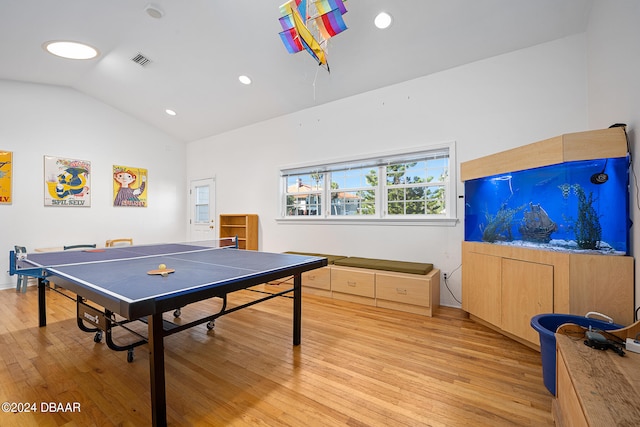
(415, 185)
(304, 194)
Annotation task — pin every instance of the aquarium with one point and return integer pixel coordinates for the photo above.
(579, 206)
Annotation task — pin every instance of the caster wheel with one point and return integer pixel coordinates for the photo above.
(97, 337)
(177, 313)
(129, 356)
(211, 324)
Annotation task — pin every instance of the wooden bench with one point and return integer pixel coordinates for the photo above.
(399, 285)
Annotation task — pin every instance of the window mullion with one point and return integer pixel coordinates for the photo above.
(381, 199)
(326, 195)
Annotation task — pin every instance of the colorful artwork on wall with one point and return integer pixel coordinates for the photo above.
(129, 186)
(67, 182)
(6, 167)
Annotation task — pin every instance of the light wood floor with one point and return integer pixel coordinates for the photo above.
(357, 366)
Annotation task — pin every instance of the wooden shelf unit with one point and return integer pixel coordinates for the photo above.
(245, 226)
(504, 286)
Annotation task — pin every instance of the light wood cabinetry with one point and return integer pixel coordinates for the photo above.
(245, 226)
(408, 292)
(482, 293)
(594, 387)
(505, 286)
(412, 293)
(527, 290)
(353, 284)
(317, 282)
(566, 398)
(594, 144)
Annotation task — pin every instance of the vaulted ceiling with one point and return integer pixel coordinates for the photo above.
(198, 48)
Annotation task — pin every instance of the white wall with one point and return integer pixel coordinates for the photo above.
(614, 84)
(38, 120)
(486, 107)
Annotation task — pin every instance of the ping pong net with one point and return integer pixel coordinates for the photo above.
(38, 264)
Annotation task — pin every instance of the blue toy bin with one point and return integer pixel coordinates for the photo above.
(546, 325)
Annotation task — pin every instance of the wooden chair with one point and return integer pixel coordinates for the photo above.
(23, 281)
(113, 242)
(83, 246)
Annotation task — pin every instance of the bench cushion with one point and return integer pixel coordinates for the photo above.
(387, 265)
(330, 258)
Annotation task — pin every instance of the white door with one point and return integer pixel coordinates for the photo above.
(202, 207)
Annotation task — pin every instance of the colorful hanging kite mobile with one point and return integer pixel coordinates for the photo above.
(309, 24)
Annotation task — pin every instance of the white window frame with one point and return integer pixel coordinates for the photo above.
(379, 160)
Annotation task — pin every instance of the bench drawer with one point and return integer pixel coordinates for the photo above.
(319, 278)
(404, 289)
(352, 281)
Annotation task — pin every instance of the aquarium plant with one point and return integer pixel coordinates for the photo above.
(587, 226)
(498, 226)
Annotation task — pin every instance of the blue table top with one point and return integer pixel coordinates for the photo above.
(118, 278)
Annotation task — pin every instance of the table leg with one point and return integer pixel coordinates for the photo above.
(156, 369)
(297, 308)
(42, 302)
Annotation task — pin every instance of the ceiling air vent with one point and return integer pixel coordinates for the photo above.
(141, 60)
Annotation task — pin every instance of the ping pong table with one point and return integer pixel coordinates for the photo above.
(118, 281)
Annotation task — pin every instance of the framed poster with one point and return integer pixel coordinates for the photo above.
(67, 182)
(129, 186)
(6, 168)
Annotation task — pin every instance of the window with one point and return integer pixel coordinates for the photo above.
(304, 194)
(353, 191)
(400, 186)
(417, 188)
(202, 204)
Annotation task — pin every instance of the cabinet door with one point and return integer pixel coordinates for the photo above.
(568, 404)
(527, 290)
(403, 289)
(603, 284)
(319, 278)
(481, 289)
(353, 281)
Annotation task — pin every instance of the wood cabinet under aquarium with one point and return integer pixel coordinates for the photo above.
(546, 230)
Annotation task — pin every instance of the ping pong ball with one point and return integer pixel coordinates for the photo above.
(162, 267)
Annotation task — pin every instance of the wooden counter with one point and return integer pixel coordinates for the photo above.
(594, 387)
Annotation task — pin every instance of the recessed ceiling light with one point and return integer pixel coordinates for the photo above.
(245, 80)
(70, 50)
(170, 112)
(383, 20)
(154, 11)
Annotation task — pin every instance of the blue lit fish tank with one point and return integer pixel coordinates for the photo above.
(579, 206)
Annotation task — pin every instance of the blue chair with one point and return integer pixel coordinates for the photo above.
(23, 281)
